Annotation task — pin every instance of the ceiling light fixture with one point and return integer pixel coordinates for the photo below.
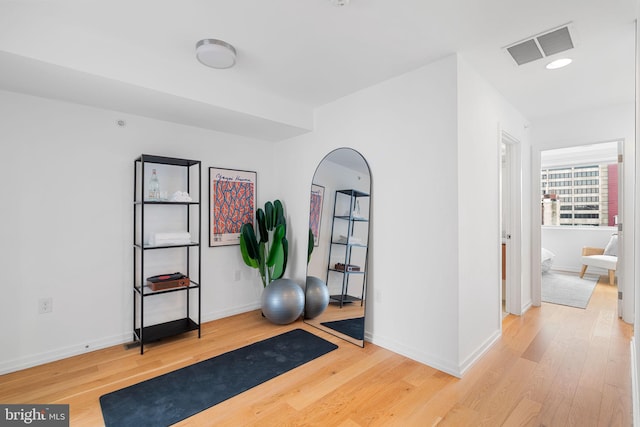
(559, 63)
(215, 53)
(340, 2)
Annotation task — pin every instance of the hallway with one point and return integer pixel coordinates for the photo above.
(555, 366)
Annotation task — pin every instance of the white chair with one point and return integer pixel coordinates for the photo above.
(606, 258)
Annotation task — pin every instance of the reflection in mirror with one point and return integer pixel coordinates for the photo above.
(338, 245)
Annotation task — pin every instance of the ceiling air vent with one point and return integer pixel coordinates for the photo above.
(542, 45)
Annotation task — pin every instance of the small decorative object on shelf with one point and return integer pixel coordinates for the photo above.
(167, 281)
(356, 212)
(341, 267)
(180, 196)
(154, 186)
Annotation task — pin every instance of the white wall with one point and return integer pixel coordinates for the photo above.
(604, 124)
(420, 295)
(483, 115)
(66, 229)
(406, 130)
(567, 242)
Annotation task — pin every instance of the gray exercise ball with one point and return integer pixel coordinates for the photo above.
(316, 297)
(282, 301)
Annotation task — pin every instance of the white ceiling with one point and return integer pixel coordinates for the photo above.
(295, 55)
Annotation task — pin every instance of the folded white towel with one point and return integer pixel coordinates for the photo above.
(352, 239)
(181, 196)
(175, 238)
(171, 242)
(174, 235)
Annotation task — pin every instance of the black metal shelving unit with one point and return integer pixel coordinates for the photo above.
(347, 246)
(143, 333)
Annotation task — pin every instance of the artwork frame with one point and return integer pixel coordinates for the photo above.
(315, 209)
(232, 202)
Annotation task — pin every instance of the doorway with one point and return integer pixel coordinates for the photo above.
(582, 206)
(510, 224)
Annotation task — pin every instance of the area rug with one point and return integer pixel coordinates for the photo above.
(567, 289)
(177, 395)
(352, 327)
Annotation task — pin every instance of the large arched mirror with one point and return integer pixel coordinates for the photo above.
(338, 245)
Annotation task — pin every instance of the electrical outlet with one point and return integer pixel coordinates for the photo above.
(45, 305)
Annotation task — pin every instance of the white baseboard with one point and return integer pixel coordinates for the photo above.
(62, 353)
(479, 352)
(100, 343)
(594, 271)
(635, 393)
(433, 361)
(403, 350)
(221, 314)
(565, 269)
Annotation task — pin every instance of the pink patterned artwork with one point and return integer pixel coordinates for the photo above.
(315, 211)
(232, 198)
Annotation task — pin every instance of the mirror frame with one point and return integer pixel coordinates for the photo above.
(316, 321)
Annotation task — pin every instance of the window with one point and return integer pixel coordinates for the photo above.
(585, 182)
(562, 191)
(581, 174)
(586, 190)
(583, 216)
(586, 199)
(585, 195)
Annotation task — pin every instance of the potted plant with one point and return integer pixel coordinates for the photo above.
(268, 250)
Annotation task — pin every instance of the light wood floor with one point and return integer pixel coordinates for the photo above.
(554, 366)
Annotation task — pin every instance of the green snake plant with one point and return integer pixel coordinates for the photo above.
(310, 245)
(268, 250)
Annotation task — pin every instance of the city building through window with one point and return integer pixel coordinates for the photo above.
(580, 186)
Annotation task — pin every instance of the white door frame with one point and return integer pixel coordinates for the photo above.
(620, 273)
(513, 223)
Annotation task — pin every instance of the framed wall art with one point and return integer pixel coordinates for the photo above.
(315, 216)
(232, 200)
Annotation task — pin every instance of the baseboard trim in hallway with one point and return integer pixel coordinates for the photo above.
(634, 384)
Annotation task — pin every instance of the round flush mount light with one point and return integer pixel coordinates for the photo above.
(339, 3)
(559, 63)
(215, 53)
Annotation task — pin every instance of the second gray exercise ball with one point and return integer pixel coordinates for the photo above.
(316, 297)
(282, 301)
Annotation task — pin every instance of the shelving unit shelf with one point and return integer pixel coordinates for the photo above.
(144, 333)
(345, 248)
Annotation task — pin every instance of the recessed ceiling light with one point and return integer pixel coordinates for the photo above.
(559, 63)
(215, 53)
